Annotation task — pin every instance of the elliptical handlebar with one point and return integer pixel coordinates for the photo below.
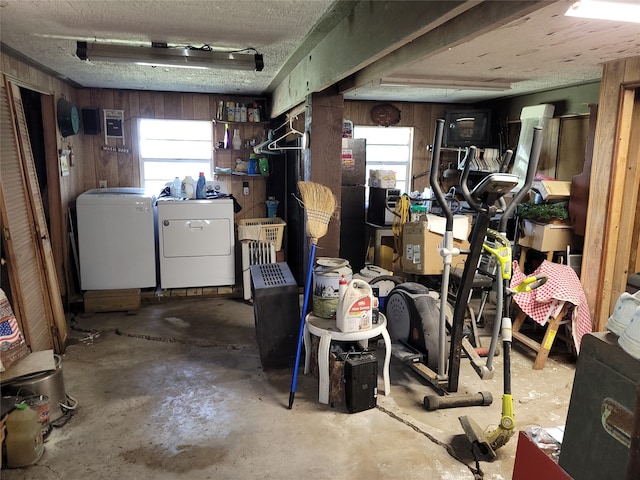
(463, 181)
(532, 167)
(434, 177)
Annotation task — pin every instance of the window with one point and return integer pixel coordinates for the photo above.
(173, 148)
(388, 149)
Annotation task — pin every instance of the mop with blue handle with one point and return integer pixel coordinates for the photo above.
(319, 204)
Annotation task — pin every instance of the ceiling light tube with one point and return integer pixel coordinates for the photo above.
(459, 84)
(169, 57)
(619, 10)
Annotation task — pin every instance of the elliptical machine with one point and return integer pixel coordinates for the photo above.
(410, 303)
(485, 443)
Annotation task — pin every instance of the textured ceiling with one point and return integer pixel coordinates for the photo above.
(539, 51)
(46, 31)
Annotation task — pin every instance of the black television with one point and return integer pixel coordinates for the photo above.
(469, 127)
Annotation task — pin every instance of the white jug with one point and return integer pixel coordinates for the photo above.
(188, 187)
(355, 307)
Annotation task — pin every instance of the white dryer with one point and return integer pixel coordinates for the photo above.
(116, 239)
(196, 242)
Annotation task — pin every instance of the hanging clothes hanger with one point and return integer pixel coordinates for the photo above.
(260, 149)
(292, 130)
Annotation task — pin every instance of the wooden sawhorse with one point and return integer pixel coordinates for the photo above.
(542, 349)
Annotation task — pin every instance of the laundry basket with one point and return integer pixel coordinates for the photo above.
(262, 229)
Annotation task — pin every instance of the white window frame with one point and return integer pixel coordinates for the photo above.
(378, 142)
(173, 144)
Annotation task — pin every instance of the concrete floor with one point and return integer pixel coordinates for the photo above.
(176, 390)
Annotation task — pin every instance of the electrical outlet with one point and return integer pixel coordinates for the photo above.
(245, 188)
(103, 183)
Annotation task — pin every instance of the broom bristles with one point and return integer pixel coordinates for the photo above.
(320, 205)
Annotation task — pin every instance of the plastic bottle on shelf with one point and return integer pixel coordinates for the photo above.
(256, 113)
(243, 112)
(236, 141)
(227, 136)
(253, 164)
(189, 187)
(200, 187)
(24, 437)
(176, 189)
(231, 111)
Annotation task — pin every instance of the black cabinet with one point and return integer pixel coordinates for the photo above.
(604, 390)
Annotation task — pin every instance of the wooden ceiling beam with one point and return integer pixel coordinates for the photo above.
(466, 26)
(376, 38)
(370, 31)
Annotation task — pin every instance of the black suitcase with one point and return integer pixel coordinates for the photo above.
(361, 382)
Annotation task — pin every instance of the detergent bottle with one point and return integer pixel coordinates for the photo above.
(176, 188)
(201, 186)
(355, 307)
(188, 187)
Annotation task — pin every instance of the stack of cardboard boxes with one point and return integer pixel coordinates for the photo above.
(546, 237)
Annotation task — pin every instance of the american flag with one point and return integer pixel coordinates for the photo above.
(9, 330)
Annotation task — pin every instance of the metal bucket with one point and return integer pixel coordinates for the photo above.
(49, 383)
(326, 276)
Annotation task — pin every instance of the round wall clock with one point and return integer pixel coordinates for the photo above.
(385, 114)
(68, 118)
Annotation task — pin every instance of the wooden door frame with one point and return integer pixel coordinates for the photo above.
(617, 228)
(57, 217)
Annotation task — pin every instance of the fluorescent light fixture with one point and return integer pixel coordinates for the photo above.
(445, 83)
(169, 57)
(617, 10)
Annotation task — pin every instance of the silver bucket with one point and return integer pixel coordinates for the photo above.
(49, 383)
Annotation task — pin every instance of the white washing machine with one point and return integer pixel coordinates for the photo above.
(196, 242)
(116, 239)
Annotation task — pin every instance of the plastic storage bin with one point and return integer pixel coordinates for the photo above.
(263, 229)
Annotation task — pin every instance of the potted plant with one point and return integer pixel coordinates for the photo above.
(543, 212)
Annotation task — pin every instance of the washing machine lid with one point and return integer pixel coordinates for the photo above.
(117, 191)
(115, 196)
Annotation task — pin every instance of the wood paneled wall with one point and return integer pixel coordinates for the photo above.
(421, 116)
(123, 168)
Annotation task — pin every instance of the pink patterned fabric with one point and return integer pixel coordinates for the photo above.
(563, 285)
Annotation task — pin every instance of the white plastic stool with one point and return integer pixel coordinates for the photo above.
(327, 331)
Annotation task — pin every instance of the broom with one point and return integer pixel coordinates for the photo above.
(319, 204)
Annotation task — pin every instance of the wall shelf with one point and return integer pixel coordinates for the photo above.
(240, 175)
(240, 124)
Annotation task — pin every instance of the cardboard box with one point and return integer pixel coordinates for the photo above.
(547, 237)
(421, 244)
(553, 189)
(382, 178)
(380, 183)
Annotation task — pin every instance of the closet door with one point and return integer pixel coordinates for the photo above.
(35, 291)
